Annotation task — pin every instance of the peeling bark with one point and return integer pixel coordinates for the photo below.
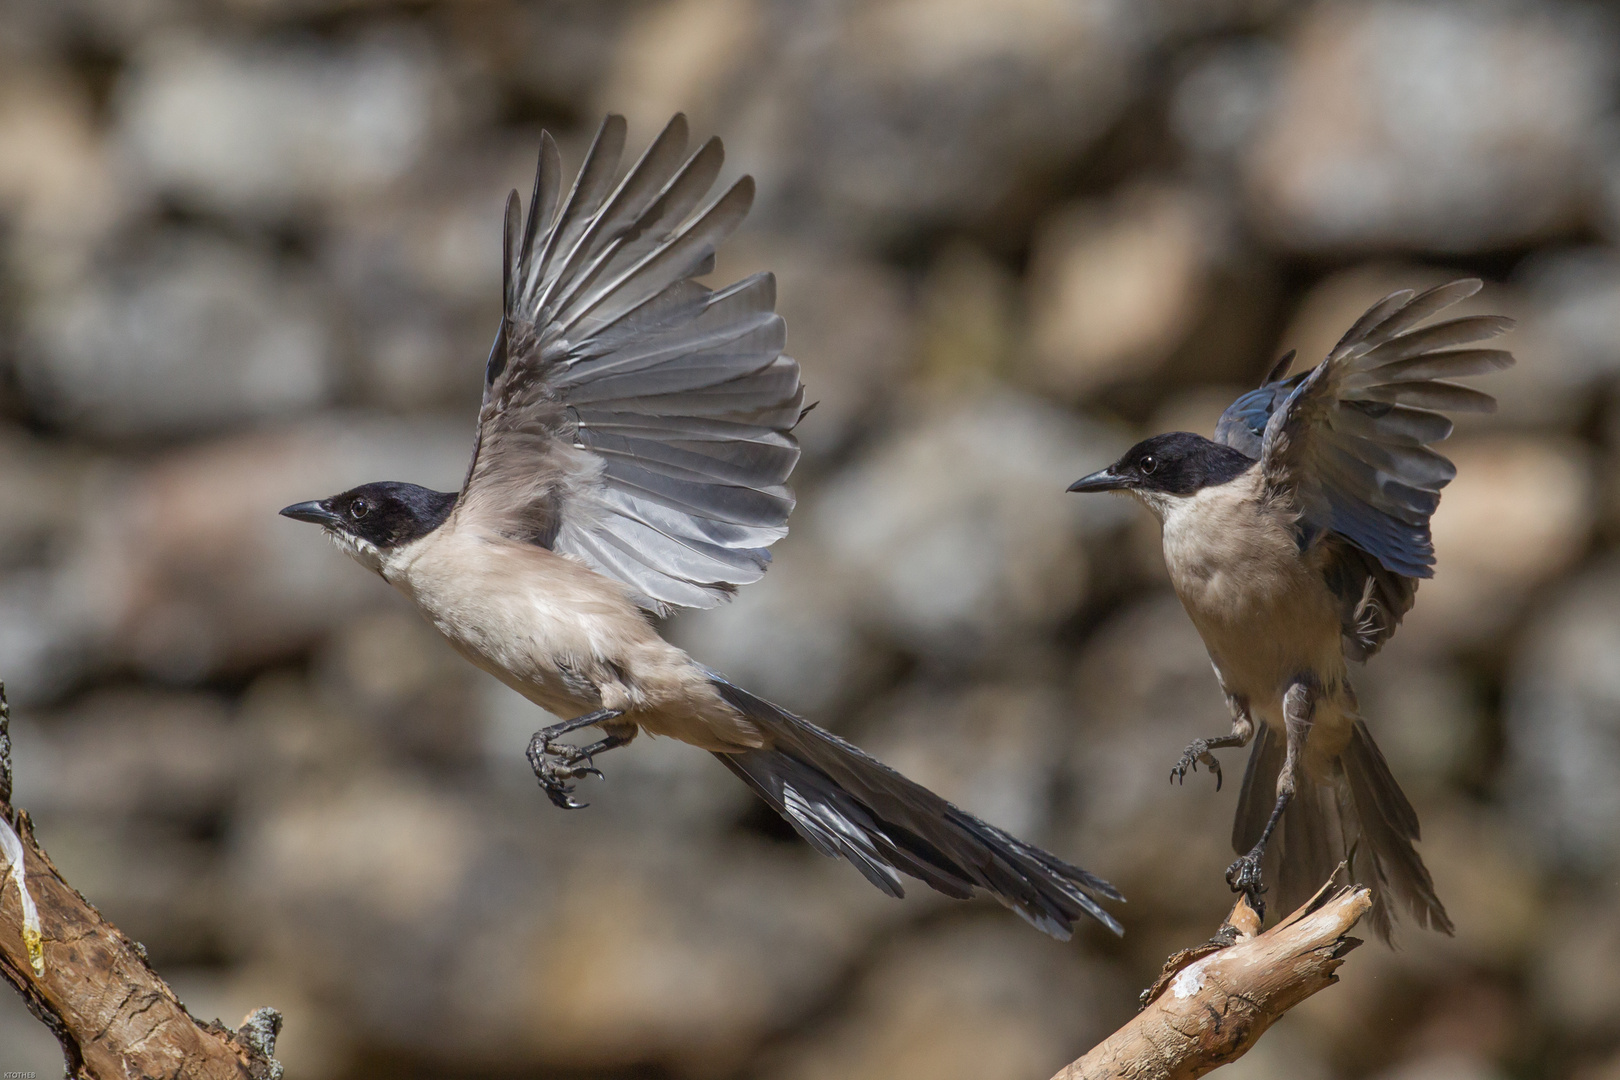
(1213, 1002)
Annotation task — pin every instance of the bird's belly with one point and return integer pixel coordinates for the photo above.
(1264, 614)
(567, 640)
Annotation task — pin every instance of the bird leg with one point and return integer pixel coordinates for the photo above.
(556, 763)
(1299, 709)
(1199, 749)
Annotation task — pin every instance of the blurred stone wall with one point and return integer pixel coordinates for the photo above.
(249, 254)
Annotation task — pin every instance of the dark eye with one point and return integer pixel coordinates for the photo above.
(1147, 465)
(359, 508)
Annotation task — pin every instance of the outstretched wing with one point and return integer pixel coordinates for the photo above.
(1347, 446)
(633, 418)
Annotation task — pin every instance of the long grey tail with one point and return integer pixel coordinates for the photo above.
(848, 804)
(1361, 818)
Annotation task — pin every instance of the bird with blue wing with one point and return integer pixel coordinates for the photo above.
(1295, 540)
(632, 455)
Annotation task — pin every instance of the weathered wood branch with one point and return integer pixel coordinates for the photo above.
(1213, 1002)
(93, 987)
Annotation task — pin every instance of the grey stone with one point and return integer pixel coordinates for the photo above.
(1121, 287)
(987, 747)
(1562, 716)
(793, 637)
(263, 130)
(1438, 125)
(1143, 689)
(189, 334)
(450, 932)
(119, 755)
(980, 999)
(193, 572)
(956, 531)
(888, 117)
(1576, 297)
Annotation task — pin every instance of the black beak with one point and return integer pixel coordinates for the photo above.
(1101, 480)
(314, 512)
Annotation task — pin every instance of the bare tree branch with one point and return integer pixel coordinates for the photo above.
(93, 987)
(1213, 1002)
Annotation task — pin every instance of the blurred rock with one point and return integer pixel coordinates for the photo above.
(56, 188)
(791, 637)
(1562, 717)
(1283, 1054)
(1485, 872)
(42, 490)
(52, 631)
(1477, 1014)
(1428, 716)
(129, 789)
(688, 957)
(849, 325)
(1224, 94)
(683, 56)
(1143, 690)
(1519, 512)
(164, 889)
(196, 574)
(29, 1044)
(1575, 975)
(890, 117)
(393, 672)
(1197, 409)
(970, 331)
(264, 130)
(1445, 1066)
(418, 271)
(928, 111)
(955, 528)
(190, 334)
(1116, 288)
(121, 754)
(1603, 1067)
(454, 935)
(992, 749)
(1576, 296)
(554, 55)
(1442, 126)
(981, 999)
(1547, 387)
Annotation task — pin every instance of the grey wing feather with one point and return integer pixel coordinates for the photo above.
(1347, 446)
(633, 418)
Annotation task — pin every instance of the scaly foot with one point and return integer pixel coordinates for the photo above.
(1244, 877)
(1197, 751)
(554, 764)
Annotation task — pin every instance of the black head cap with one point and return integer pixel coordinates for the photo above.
(385, 514)
(1179, 463)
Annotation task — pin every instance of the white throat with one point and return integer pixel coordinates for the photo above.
(1161, 503)
(364, 552)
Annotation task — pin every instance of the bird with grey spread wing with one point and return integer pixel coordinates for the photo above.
(632, 450)
(1296, 540)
